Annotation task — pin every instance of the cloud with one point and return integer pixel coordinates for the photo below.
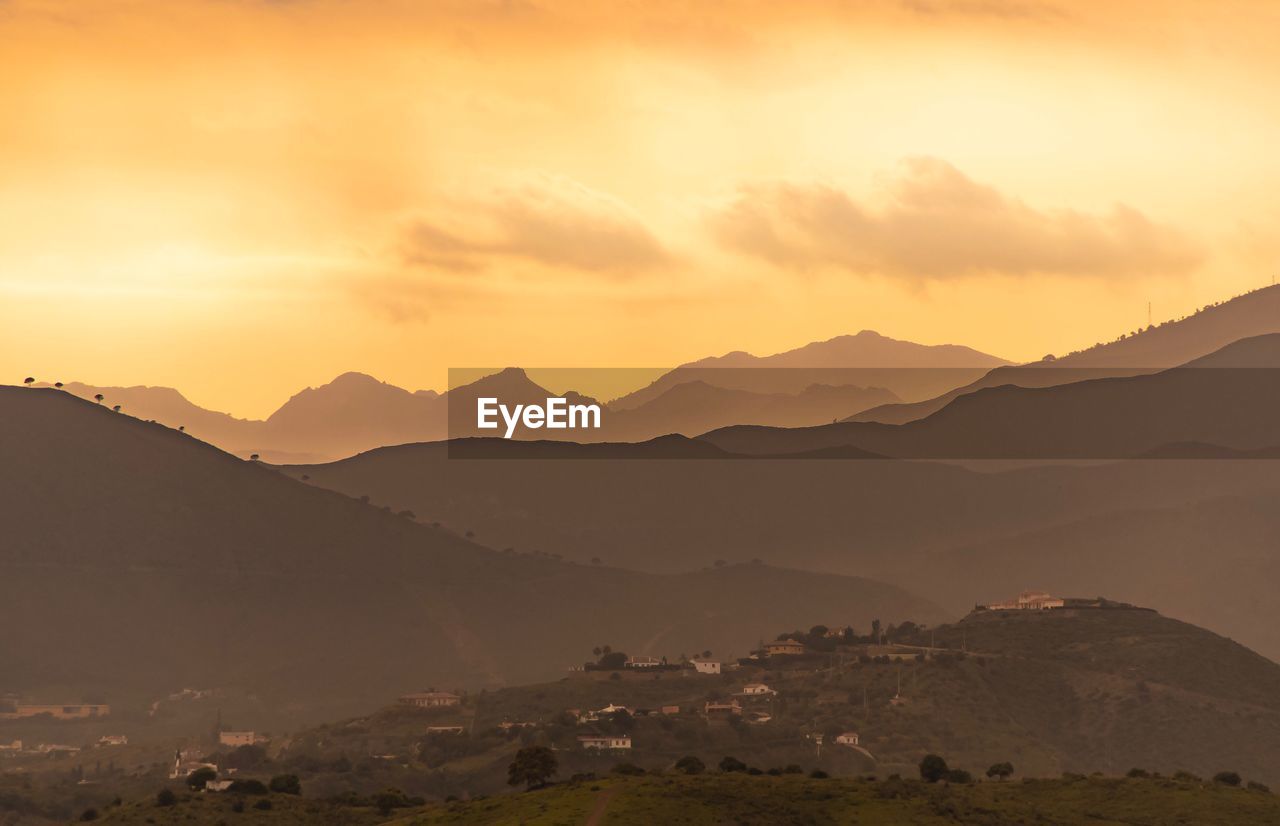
(552, 221)
(936, 223)
(998, 9)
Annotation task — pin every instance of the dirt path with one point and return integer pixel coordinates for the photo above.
(602, 803)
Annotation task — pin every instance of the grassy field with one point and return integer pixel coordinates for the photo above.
(742, 799)
(718, 799)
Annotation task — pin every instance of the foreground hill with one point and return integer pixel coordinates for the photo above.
(138, 560)
(1079, 690)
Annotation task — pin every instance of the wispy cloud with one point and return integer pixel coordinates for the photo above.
(551, 221)
(936, 223)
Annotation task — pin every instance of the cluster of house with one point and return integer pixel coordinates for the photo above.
(1028, 601)
(77, 711)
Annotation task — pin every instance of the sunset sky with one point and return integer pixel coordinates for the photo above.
(240, 198)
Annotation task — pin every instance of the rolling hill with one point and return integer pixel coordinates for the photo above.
(1170, 344)
(1225, 398)
(155, 561)
(893, 520)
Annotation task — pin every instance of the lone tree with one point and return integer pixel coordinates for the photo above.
(1227, 778)
(115, 409)
(533, 766)
(98, 397)
(58, 384)
(201, 776)
(28, 381)
(1000, 771)
(932, 768)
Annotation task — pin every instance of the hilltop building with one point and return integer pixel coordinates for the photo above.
(239, 738)
(849, 738)
(643, 662)
(430, 699)
(1028, 601)
(706, 666)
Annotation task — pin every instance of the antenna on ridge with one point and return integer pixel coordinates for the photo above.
(1148, 313)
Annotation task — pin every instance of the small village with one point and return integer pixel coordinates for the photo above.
(829, 695)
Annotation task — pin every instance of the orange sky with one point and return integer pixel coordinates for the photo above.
(240, 198)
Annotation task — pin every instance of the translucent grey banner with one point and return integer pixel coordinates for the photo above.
(1205, 410)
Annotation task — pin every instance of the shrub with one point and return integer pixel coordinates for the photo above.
(1000, 771)
(627, 769)
(754, 771)
(1227, 778)
(390, 799)
(793, 768)
(732, 764)
(958, 776)
(1258, 787)
(285, 784)
(689, 764)
(166, 797)
(263, 804)
(1138, 774)
(932, 768)
(248, 786)
(819, 774)
(89, 814)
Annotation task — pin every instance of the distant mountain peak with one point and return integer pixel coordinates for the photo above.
(353, 378)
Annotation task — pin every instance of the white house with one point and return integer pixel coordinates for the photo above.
(604, 742)
(757, 690)
(430, 699)
(643, 662)
(784, 648)
(707, 666)
(849, 738)
(113, 740)
(217, 785)
(612, 709)
(1029, 601)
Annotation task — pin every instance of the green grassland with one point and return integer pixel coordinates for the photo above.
(742, 799)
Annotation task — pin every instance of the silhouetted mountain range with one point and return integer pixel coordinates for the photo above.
(1223, 399)
(355, 412)
(1147, 351)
